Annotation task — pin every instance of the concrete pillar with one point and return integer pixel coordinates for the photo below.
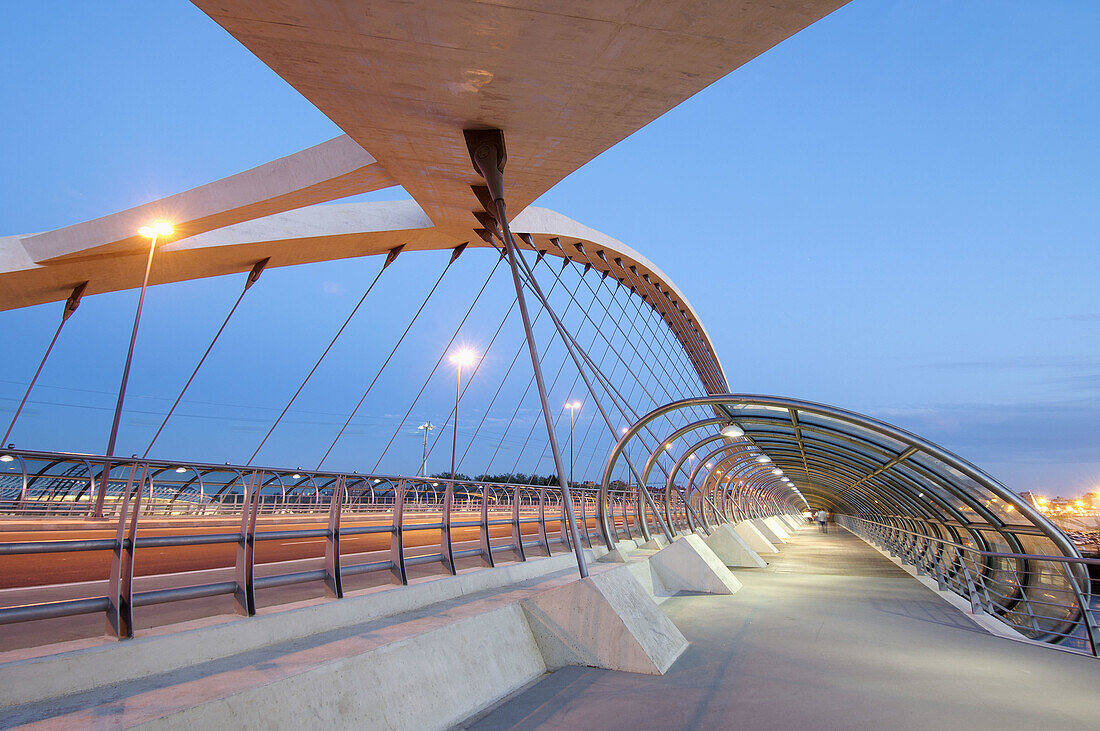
(732, 549)
(768, 531)
(755, 539)
(778, 528)
(688, 564)
(604, 621)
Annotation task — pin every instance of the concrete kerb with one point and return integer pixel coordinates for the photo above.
(768, 532)
(755, 539)
(37, 679)
(732, 549)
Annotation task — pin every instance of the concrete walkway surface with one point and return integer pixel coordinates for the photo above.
(831, 635)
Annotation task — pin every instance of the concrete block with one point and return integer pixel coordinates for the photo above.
(656, 543)
(689, 565)
(622, 551)
(604, 621)
(756, 540)
(768, 531)
(732, 549)
(790, 521)
(777, 527)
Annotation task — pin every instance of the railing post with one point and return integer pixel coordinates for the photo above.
(564, 525)
(486, 545)
(517, 527)
(543, 534)
(120, 608)
(244, 596)
(334, 583)
(583, 524)
(397, 535)
(445, 549)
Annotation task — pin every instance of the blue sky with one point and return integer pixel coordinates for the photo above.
(893, 211)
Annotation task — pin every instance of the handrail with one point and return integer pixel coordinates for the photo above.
(1070, 619)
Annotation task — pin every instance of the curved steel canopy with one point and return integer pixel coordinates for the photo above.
(852, 464)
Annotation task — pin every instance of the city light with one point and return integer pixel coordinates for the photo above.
(464, 358)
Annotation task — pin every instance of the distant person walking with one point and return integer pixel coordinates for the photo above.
(822, 519)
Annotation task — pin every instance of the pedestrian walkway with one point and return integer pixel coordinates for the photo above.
(830, 635)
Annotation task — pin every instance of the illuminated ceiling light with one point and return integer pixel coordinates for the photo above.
(7, 458)
(181, 470)
(763, 458)
(733, 431)
(296, 476)
(777, 471)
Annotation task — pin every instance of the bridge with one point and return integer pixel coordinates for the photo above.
(610, 502)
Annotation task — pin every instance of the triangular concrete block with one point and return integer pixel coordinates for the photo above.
(656, 543)
(790, 522)
(768, 531)
(756, 540)
(621, 552)
(604, 621)
(732, 549)
(688, 564)
(777, 527)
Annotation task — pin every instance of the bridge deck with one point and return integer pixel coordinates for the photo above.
(830, 635)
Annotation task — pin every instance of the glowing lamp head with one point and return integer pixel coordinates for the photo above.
(763, 459)
(160, 228)
(6, 458)
(180, 470)
(777, 472)
(733, 431)
(463, 358)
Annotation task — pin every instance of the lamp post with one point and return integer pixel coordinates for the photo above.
(426, 427)
(573, 406)
(462, 358)
(150, 232)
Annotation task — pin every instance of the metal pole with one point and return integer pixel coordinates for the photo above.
(426, 427)
(454, 434)
(571, 412)
(130, 352)
(487, 154)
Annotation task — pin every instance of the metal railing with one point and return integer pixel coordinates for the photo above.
(1042, 597)
(495, 520)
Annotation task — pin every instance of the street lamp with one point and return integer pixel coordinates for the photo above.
(426, 427)
(160, 228)
(573, 406)
(461, 359)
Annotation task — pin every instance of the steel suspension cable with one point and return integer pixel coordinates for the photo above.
(253, 275)
(500, 385)
(531, 380)
(389, 260)
(454, 255)
(442, 354)
(66, 312)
